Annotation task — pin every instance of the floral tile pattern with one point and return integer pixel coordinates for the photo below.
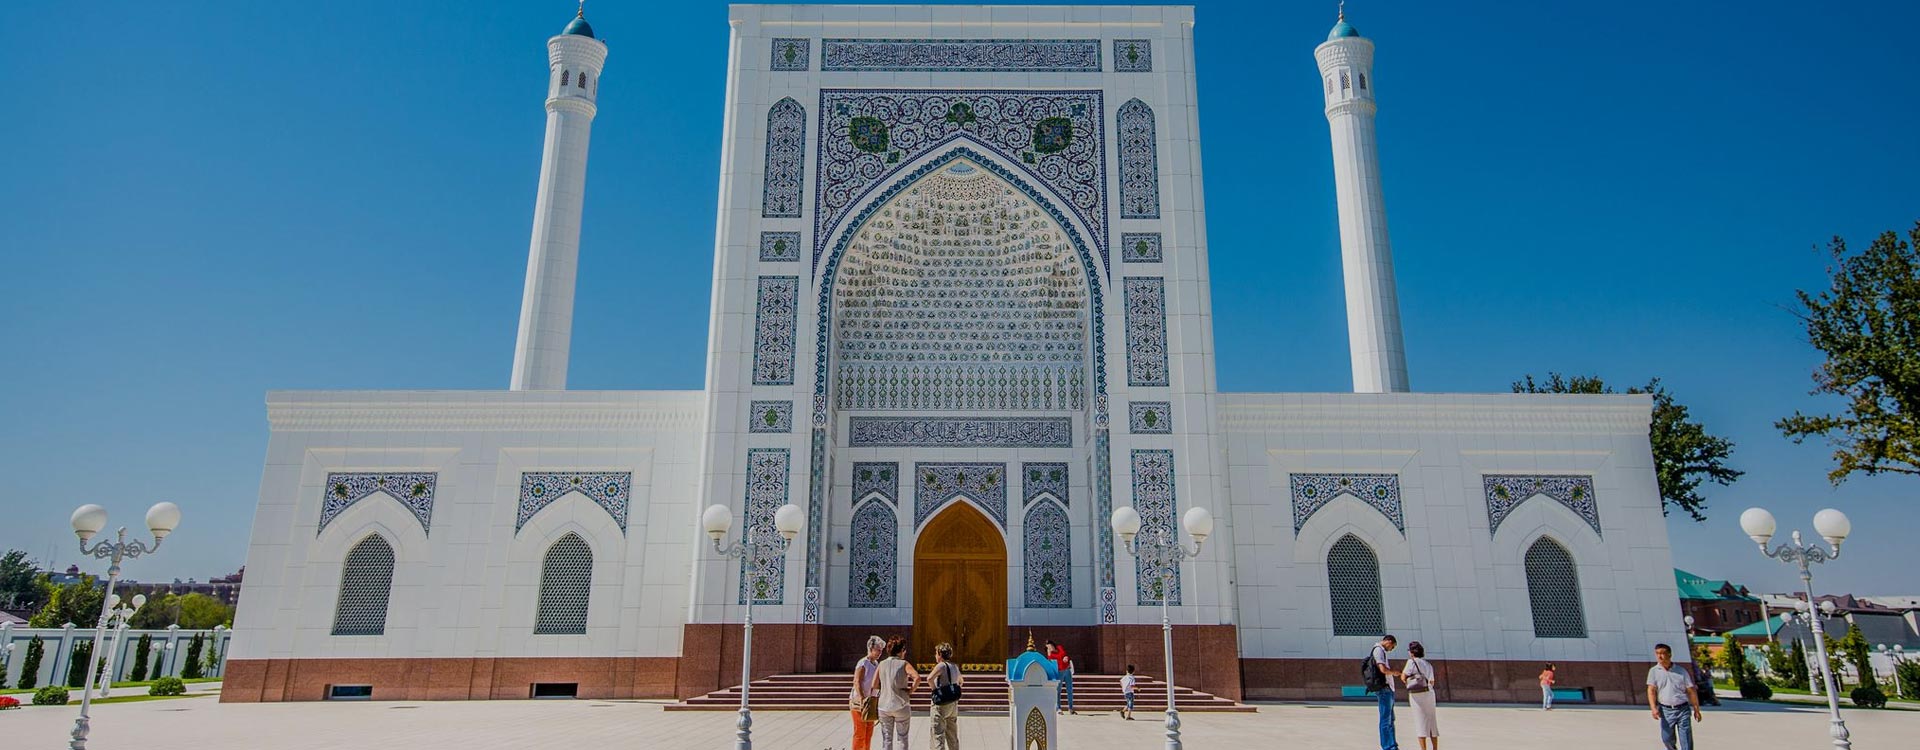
(961, 432)
(611, 490)
(876, 478)
(817, 474)
(962, 55)
(773, 330)
(1046, 549)
(412, 489)
(779, 247)
(871, 579)
(770, 416)
(766, 491)
(983, 483)
(1133, 56)
(1139, 162)
(1146, 302)
(1103, 550)
(786, 162)
(1507, 491)
(791, 54)
(1042, 479)
(1109, 605)
(1139, 247)
(1153, 499)
(1311, 492)
(1150, 418)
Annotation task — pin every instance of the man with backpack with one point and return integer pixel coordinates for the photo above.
(1378, 675)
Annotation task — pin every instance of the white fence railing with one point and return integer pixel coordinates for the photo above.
(166, 655)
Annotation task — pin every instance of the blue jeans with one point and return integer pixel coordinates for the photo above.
(1676, 727)
(1387, 741)
(1066, 686)
(1129, 702)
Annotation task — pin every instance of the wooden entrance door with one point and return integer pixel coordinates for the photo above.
(960, 587)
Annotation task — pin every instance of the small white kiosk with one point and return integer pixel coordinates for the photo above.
(1033, 685)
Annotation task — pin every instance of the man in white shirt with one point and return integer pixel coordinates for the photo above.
(1385, 695)
(1671, 696)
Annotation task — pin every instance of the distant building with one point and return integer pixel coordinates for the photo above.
(224, 588)
(1716, 606)
(1879, 623)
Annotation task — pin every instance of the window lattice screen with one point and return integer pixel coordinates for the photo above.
(1353, 578)
(1554, 586)
(565, 578)
(365, 583)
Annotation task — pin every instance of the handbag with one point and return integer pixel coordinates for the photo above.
(1418, 683)
(948, 693)
(870, 709)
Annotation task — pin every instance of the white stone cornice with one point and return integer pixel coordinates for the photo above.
(645, 411)
(1445, 413)
(573, 104)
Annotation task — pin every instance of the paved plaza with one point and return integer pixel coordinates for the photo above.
(203, 724)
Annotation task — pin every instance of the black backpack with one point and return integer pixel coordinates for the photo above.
(1371, 675)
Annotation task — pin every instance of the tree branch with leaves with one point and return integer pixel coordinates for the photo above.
(1685, 455)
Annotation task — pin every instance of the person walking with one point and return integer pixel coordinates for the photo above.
(1064, 665)
(1128, 685)
(945, 682)
(862, 699)
(1671, 696)
(1546, 688)
(898, 680)
(1382, 688)
(1419, 679)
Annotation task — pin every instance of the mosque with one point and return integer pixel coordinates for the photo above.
(960, 316)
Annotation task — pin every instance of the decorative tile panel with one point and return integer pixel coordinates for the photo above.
(1311, 492)
(819, 469)
(1132, 56)
(611, 490)
(1139, 162)
(786, 162)
(1135, 247)
(810, 605)
(1146, 302)
(1153, 499)
(1507, 491)
(773, 332)
(876, 478)
(791, 54)
(767, 470)
(962, 55)
(1109, 606)
(1043, 479)
(961, 432)
(779, 247)
(1150, 418)
(871, 579)
(1046, 549)
(412, 489)
(1056, 138)
(983, 483)
(1102, 475)
(770, 416)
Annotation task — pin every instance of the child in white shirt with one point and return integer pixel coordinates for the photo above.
(1127, 683)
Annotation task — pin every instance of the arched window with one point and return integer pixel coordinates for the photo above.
(565, 578)
(583, 79)
(1353, 578)
(1554, 587)
(566, 77)
(365, 583)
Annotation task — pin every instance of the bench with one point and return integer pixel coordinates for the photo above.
(1573, 695)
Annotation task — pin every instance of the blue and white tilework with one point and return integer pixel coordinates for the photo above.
(1109, 605)
(962, 55)
(1153, 499)
(1038, 480)
(1507, 491)
(779, 247)
(1132, 56)
(1046, 550)
(1139, 162)
(983, 483)
(773, 330)
(766, 491)
(817, 473)
(1103, 507)
(786, 160)
(611, 490)
(1137, 247)
(1311, 492)
(810, 605)
(961, 432)
(414, 490)
(1150, 418)
(791, 54)
(881, 478)
(1146, 302)
(875, 553)
(770, 416)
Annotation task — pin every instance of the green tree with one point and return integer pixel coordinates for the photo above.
(1779, 663)
(202, 612)
(78, 603)
(160, 611)
(1858, 653)
(18, 590)
(1684, 453)
(1867, 322)
(190, 669)
(30, 669)
(77, 665)
(1797, 670)
(140, 651)
(1906, 675)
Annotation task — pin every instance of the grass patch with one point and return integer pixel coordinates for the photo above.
(116, 686)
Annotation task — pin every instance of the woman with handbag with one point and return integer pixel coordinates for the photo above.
(897, 681)
(864, 699)
(1418, 675)
(946, 681)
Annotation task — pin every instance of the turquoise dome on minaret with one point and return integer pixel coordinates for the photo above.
(579, 26)
(1340, 30)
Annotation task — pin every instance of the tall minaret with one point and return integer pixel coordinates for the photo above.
(1373, 306)
(546, 308)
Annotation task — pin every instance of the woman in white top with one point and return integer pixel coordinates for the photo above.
(864, 674)
(897, 681)
(1417, 673)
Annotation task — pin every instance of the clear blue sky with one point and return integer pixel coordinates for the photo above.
(203, 201)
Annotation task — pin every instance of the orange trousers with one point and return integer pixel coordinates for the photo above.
(862, 732)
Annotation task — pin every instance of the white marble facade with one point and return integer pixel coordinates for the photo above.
(999, 214)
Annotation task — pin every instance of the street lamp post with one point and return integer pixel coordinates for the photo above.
(1896, 656)
(1163, 552)
(88, 520)
(1832, 526)
(788, 521)
(118, 617)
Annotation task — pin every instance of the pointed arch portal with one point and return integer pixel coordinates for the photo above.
(960, 586)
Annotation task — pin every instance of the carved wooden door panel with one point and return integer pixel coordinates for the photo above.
(960, 587)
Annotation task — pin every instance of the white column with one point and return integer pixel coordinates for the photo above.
(1373, 306)
(546, 309)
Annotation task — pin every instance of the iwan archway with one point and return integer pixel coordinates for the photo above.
(960, 586)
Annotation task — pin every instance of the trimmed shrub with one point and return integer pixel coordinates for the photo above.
(30, 669)
(140, 652)
(1756, 690)
(191, 669)
(1868, 696)
(51, 695)
(167, 686)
